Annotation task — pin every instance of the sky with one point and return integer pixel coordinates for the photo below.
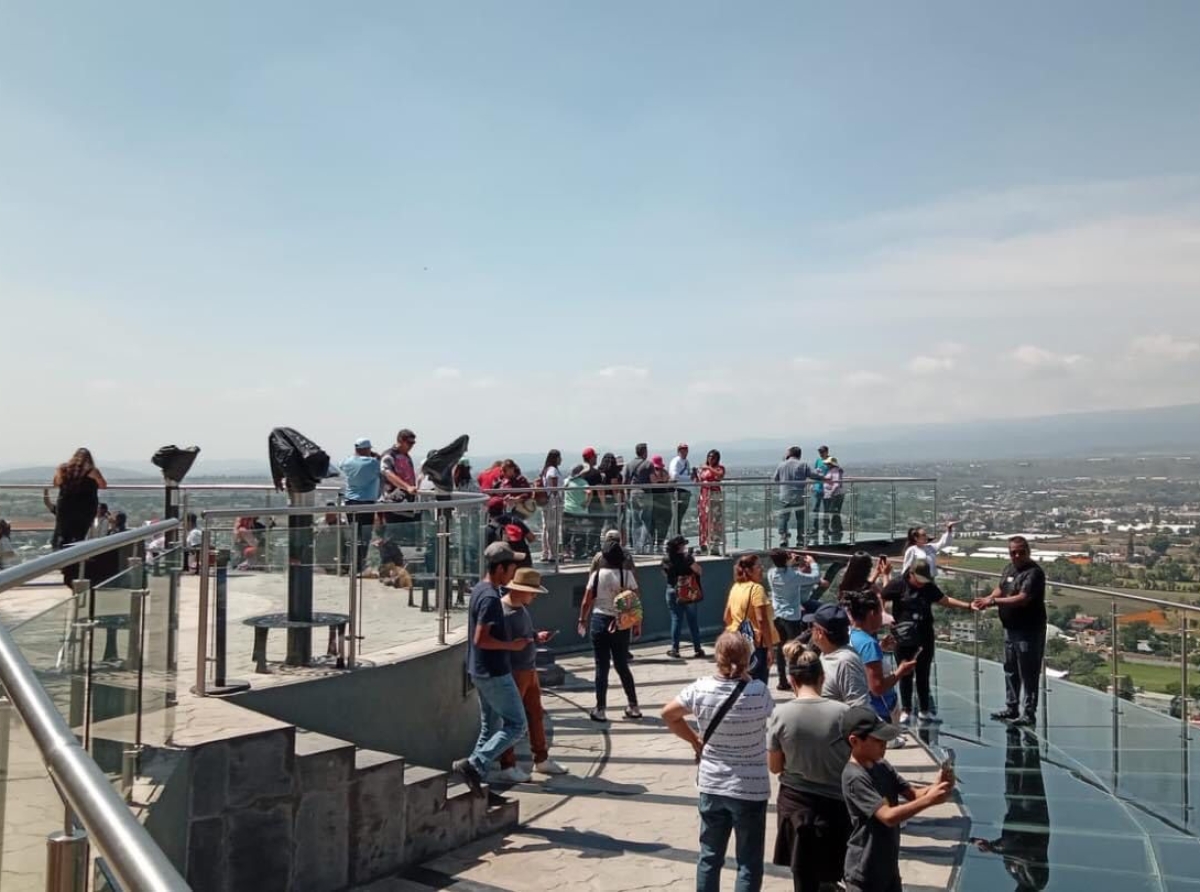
(552, 224)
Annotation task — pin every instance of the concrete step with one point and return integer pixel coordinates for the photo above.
(322, 762)
(378, 818)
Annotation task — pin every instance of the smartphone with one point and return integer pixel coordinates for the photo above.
(946, 763)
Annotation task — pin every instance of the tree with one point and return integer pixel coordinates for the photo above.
(1132, 633)
(1125, 689)
(1159, 542)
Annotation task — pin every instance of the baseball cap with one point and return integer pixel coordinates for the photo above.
(589, 453)
(513, 533)
(920, 569)
(863, 722)
(657, 461)
(362, 443)
(829, 617)
(501, 553)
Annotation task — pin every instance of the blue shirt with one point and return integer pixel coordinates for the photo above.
(487, 609)
(870, 651)
(820, 467)
(362, 478)
(791, 475)
(790, 589)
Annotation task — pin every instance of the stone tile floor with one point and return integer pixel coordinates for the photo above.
(625, 818)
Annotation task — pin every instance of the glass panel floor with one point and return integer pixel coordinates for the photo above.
(1085, 801)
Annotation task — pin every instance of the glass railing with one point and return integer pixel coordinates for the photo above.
(1099, 793)
(73, 725)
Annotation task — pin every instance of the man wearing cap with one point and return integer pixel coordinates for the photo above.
(489, 663)
(400, 485)
(682, 476)
(526, 585)
(845, 676)
(598, 558)
(637, 474)
(912, 597)
(362, 473)
(792, 475)
(873, 792)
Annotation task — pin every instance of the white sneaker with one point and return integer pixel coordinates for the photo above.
(905, 718)
(514, 775)
(898, 744)
(548, 767)
(930, 718)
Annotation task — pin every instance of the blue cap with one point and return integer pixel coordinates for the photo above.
(362, 443)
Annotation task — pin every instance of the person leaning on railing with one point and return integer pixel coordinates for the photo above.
(712, 504)
(79, 482)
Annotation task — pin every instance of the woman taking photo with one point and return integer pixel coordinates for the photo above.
(79, 482)
(712, 504)
(731, 711)
(805, 747)
(748, 603)
(919, 548)
(598, 621)
(683, 594)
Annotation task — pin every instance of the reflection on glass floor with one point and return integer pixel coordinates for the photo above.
(1086, 801)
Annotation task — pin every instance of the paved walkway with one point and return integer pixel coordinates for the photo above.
(625, 819)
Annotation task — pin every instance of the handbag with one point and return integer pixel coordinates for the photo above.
(688, 589)
(907, 634)
(720, 716)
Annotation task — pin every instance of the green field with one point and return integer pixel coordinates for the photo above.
(1153, 677)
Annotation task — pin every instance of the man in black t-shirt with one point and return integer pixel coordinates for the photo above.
(1021, 599)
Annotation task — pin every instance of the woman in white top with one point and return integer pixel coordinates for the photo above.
(598, 620)
(921, 549)
(8, 554)
(550, 481)
(733, 781)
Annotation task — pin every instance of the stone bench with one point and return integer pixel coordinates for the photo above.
(262, 625)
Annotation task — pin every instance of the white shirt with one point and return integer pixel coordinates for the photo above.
(680, 470)
(734, 763)
(608, 583)
(927, 553)
(551, 478)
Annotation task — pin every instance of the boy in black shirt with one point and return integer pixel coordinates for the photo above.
(873, 790)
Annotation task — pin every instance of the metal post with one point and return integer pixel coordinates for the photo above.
(300, 579)
(978, 694)
(1184, 742)
(737, 512)
(853, 514)
(893, 527)
(66, 861)
(202, 625)
(170, 512)
(443, 568)
(767, 520)
(131, 757)
(352, 644)
(1116, 703)
(222, 685)
(5, 711)
(1115, 647)
(74, 654)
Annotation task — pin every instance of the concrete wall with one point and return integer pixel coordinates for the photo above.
(418, 707)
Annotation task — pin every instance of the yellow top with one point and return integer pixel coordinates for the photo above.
(742, 597)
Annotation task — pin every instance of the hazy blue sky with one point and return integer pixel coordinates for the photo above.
(548, 224)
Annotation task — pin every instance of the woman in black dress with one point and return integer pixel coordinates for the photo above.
(79, 482)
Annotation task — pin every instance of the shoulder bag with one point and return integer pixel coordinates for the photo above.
(721, 713)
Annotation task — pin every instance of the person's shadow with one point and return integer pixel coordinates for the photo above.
(1024, 840)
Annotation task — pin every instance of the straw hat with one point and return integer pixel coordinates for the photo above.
(527, 579)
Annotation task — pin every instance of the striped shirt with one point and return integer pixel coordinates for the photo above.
(734, 763)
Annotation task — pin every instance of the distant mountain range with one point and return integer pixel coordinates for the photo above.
(1172, 429)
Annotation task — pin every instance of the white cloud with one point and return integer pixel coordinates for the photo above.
(1165, 347)
(1038, 358)
(864, 379)
(720, 386)
(487, 382)
(930, 365)
(624, 371)
(446, 373)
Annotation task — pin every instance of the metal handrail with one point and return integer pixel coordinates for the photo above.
(424, 501)
(134, 858)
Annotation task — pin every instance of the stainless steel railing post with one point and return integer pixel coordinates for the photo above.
(352, 643)
(202, 612)
(5, 714)
(441, 583)
(66, 861)
(1184, 738)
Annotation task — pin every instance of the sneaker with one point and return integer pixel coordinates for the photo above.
(673, 654)
(472, 777)
(632, 712)
(898, 743)
(597, 715)
(699, 654)
(929, 718)
(1004, 715)
(1024, 721)
(548, 766)
(905, 718)
(783, 686)
(514, 775)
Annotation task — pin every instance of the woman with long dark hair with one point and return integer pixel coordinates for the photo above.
(79, 482)
(607, 502)
(683, 591)
(598, 621)
(712, 504)
(550, 482)
(918, 547)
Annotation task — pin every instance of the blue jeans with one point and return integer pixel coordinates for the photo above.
(502, 719)
(681, 611)
(747, 820)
